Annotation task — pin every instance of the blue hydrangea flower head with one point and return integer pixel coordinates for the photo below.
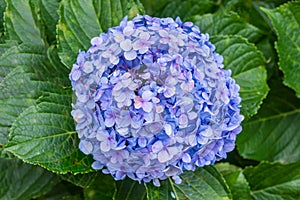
(153, 100)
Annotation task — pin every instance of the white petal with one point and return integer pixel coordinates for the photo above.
(105, 146)
(126, 45)
(130, 55)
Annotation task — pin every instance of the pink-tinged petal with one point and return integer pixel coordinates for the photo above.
(137, 45)
(155, 100)
(119, 37)
(159, 109)
(128, 30)
(147, 106)
(157, 147)
(88, 67)
(145, 35)
(147, 95)
(170, 81)
(138, 102)
(105, 146)
(186, 158)
(183, 120)
(170, 92)
(126, 45)
(163, 156)
(130, 55)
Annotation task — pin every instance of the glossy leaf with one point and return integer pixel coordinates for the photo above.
(21, 23)
(44, 135)
(226, 23)
(286, 22)
(236, 181)
(18, 89)
(248, 69)
(273, 134)
(204, 183)
(24, 181)
(274, 181)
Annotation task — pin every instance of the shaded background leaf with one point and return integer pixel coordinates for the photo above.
(23, 181)
(130, 190)
(273, 134)
(101, 187)
(274, 181)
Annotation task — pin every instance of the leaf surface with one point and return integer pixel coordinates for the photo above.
(204, 183)
(273, 134)
(21, 23)
(23, 181)
(236, 181)
(226, 23)
(286, 22)
(274, 181)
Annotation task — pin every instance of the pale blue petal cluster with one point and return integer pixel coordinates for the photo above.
(153, 100)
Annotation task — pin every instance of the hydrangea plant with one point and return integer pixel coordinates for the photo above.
(156, 103)
(153, 99)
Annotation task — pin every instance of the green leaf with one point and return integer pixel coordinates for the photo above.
(49, 16)
(2, 9)
(80, 21)
(236, 181)
(286, 22)
(81, 180)
(44, 135)
(274, 181)
(276, 135)
(248, 69)
(21, 22)
(130, 190)
(23, 181)
(101, 187)
(204, 183)
(18, 72)
(65, 191)
(226, 23)
(184, 8)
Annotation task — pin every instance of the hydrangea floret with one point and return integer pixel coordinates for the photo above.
(153, 100)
